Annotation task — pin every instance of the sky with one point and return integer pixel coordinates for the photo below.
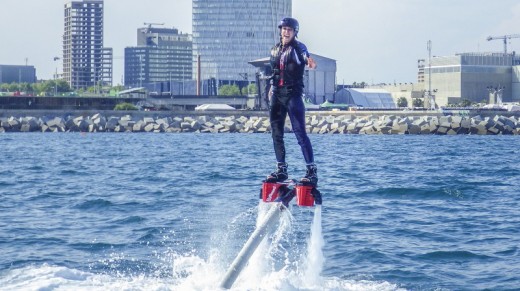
(372, 41)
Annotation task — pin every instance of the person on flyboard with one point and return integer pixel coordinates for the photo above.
(288, 61)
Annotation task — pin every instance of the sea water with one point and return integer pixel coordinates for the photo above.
(135, 211)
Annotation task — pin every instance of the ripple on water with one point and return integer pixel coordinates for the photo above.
(130, 220)
(453, 256)
(94, 204)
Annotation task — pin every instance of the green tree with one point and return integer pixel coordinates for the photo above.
(402, 102)
(229, 90)
(63, 86)
(359, 85)
(25, 87)
(43, 87)
(418, 102)
(244, 91)
(13, 87)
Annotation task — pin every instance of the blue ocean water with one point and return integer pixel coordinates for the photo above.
(170, 212)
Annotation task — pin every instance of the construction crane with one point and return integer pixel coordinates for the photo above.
(504, 38)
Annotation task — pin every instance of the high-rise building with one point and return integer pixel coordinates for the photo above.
(161, 55)
(229, 34)
(86, 62)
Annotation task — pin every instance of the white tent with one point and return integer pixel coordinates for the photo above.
(206, 107)
(513, 107)
(368, 98)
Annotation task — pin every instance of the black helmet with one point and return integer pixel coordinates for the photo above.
(290, 22)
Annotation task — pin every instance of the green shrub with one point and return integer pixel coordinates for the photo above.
(402, 102)
(125, 106)
(251, 89)
(418, 102)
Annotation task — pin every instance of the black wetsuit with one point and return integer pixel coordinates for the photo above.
(288, 64)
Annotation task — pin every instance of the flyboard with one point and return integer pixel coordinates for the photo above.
(280, 194)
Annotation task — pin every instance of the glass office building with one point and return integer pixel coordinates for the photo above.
(161, 55)
(229, 34)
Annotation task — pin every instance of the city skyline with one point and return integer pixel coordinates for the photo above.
(374, 41)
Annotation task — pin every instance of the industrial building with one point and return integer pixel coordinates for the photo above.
(162, 55)
(229, 34)
(320, 83)
(86, 62)
(17, 74)
(473, 76)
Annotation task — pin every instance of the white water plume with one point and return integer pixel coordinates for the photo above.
(313, 265)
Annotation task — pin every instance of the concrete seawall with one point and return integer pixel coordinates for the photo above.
(258, 122)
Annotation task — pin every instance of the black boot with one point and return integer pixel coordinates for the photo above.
(279, 175)
(311, 177)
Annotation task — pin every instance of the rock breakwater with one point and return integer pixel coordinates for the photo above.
(316, 124)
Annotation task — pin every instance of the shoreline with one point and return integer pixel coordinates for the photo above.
(317, 122)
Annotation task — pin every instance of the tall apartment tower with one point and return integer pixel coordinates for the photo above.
(161, 55)
(86, 62)
(229, 34)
